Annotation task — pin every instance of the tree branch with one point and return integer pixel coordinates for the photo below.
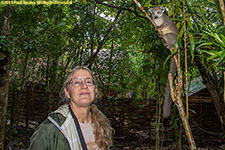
(222, 10)
(120, 8)
(100, 45)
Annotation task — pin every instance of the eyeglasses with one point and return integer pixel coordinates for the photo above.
(77, 82)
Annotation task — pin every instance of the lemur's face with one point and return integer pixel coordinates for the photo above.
(157, 12)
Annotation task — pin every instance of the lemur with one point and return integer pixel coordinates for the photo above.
(169, 34)
(166, 25)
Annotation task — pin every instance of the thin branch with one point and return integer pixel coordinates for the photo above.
(120, 8)
(222, 9)
(205, 131)
(146, 14)
(93, 31)
(186, 65)
(172, 88)
(101, 43)
(100, 79)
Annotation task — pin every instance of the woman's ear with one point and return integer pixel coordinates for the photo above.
(96, 92)
(67, 93)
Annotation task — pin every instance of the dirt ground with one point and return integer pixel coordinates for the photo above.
(19, 140)
(134, 124)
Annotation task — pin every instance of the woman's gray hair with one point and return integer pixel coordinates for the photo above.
(67, 82)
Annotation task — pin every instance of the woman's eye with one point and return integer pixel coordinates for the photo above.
(76, 83)
(89, 82)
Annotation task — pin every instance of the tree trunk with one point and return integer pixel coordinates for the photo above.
(4, 75)
(214, 92)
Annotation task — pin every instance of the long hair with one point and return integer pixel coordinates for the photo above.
(101, 124)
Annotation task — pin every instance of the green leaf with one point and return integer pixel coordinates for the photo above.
(212, 52)
(217, 38)
(205, 44)
(223, 37)
(192, 42)
(211, 57)
(180, 35)
(222, 55)
(189, 23)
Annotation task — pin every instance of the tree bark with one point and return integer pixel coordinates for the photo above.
(214, 92)
(224, 87)
(177, 99)
(4, 74)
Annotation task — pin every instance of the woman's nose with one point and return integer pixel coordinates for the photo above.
(83, 85)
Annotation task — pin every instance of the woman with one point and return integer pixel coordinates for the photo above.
(59, 132)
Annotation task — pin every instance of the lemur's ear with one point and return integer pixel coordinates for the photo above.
(163, 8)
(150, 10)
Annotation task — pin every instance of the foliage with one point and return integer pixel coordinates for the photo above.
(215, 47)
(48, 40)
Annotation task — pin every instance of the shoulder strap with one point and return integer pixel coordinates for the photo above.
(82, 141)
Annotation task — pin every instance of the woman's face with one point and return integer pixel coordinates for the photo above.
(82, 89)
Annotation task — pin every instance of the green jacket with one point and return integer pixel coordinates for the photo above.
(57, 132)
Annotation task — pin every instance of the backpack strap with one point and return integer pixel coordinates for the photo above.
(82, 141)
